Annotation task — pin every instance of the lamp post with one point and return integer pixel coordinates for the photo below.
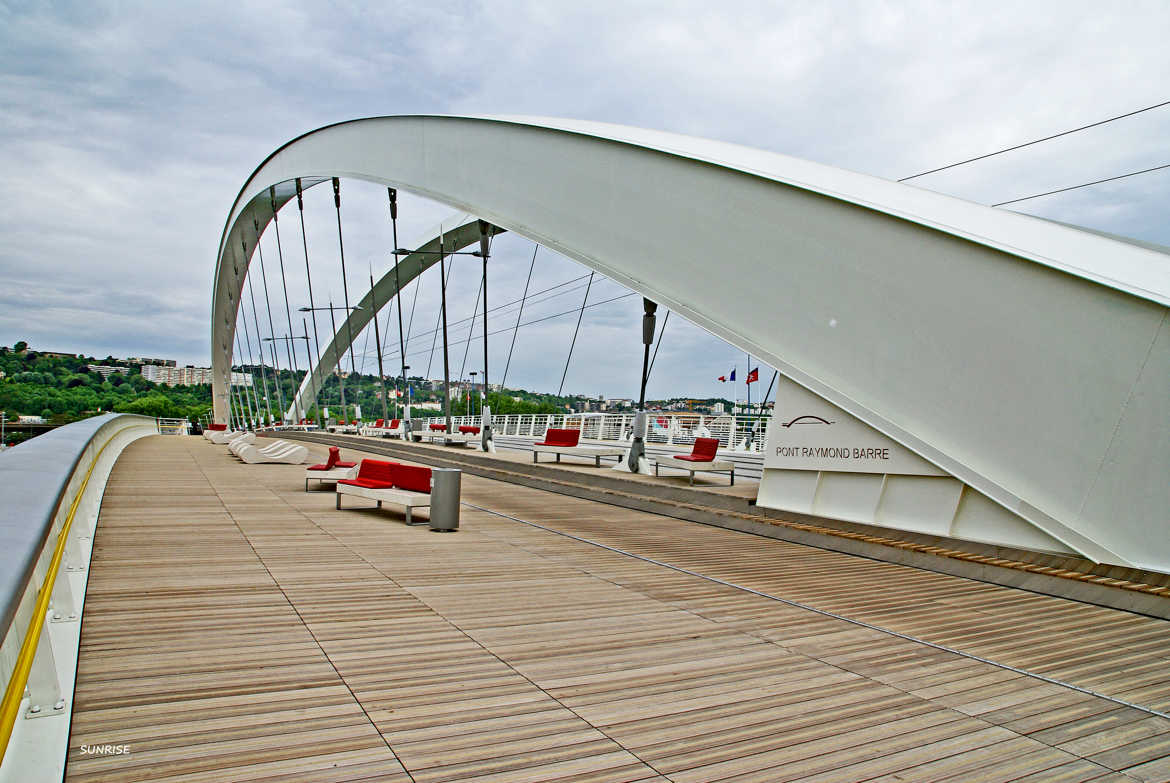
(470, 404)
(405, 405)
(288, 340)
(333, 322)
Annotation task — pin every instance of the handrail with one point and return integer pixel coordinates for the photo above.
(14, 692)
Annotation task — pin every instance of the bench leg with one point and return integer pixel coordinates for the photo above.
(558, 456)
(733, 477)
(338, 501)
(598, 458)
(534, 453)
(379, 504)
(692, 478)
(306, 485)
(655, 468)
(407, 514)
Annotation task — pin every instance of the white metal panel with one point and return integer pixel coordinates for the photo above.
(998, 347)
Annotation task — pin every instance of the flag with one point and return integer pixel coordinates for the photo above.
(723, 379)
(754, 375)
(732, 376)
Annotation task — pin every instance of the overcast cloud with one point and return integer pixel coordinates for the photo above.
(127, 130)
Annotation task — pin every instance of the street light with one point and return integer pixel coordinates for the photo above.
(340, 378)
(471, 411)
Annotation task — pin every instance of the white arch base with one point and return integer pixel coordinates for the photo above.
(1028, 360)
(819, 460)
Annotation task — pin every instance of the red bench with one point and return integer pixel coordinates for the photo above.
(408, 486)
(565, 438)
(333, 469)
(438, 427)
(558, 442)
(467, 429)
(701, 459)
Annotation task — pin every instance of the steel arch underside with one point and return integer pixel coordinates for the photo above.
(1027, 359)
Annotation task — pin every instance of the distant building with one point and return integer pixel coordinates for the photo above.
(106, 370)
(718, 408)
(188, 376)
(145, 361)
(29, 420)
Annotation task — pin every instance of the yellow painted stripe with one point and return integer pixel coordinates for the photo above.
(14, 693)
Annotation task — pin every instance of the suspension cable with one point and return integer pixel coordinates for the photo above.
(657, 345)
(292, 353)
(573, 344)
(344, 283)
(532, 300)
(392, 195)
(377, 343)
(446, 348)
(1083, 185)
(259, 346)
(271, 331)
(312, 306)
(247, 406)
(439, 318)
(471, 329)
(519, 313)
(243, 318)
(544, 318)
(485, 249)
(1036, 141)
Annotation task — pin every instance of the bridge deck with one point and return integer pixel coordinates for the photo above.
(238, 628)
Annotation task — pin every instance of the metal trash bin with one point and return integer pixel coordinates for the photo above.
(445, 499)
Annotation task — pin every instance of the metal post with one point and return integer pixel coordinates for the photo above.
(309, 278)
(287, 311)
(340, 380)
(378, 347)
(393, 195)
(636, 458)
(446, 351)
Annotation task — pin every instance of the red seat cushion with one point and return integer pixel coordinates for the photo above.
(468, 429)
(317, 467)
(345, 464)
(412, 478)
(562, 438)
(217, 427)
(367, 483)
(693, 457)
(439, 427)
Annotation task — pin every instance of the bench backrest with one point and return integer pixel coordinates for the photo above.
(412, 478)
(705, 448)
(557, 437)
(217, 427)
(377, 470)
(334, 458)
(394, 424)
(379, 422)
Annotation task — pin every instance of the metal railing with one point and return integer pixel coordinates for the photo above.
(50, 493)
(736, 432)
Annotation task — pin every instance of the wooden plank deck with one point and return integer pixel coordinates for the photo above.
(238, 628)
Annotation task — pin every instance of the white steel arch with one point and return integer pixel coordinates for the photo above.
(1027, 359)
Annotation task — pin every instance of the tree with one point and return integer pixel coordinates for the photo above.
(20, 347)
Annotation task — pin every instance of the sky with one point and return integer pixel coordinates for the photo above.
(127, 129)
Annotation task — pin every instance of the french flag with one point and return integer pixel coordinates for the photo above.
(725, 378)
